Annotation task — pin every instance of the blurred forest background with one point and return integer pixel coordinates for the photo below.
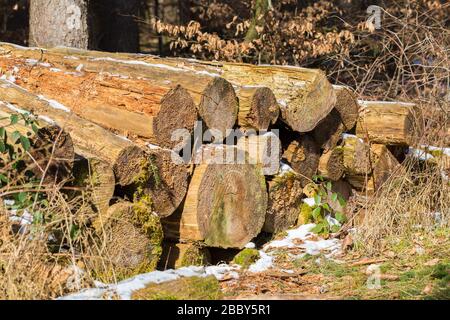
(408, 55)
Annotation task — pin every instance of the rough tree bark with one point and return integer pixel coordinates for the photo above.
(127, 159)
(390, 123)
(59, 22)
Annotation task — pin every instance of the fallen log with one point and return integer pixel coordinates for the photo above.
(303, 155)
(305, 95)
(188, 288)
(177, 255)
(130, 107)
(390, 123)
(51, 153)
(285, 194)
(212, 94)
(126, 158)
(258, 108)
(331, 164)
(129, 238)
(225, 206)
(367, 168)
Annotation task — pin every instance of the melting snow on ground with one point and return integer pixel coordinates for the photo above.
(301, 238)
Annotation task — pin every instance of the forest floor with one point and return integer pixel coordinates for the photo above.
(300, 265)
(419, 269)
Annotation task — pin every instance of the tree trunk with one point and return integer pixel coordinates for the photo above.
(331, 164)
(303, 155)
(127, 159)
(59, 23)
(51, 151)
(258, 108)
(132, 107)
(130, 239)
(390, 123)
(225, 206)
(285, 198)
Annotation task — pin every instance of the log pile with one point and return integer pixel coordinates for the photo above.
(114, 120)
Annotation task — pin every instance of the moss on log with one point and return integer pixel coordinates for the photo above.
(189, 288)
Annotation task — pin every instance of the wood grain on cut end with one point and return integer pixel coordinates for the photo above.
(131, 242)
(328, 132)
(331, 164)
(285, 194)
(303, 155)
(347, 106)
(311, 104)
(219, 106)
(232, 205)
(258, 108)
(178, 112)
(166, 181)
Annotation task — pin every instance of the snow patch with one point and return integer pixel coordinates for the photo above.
(54, 104)
(124, 289)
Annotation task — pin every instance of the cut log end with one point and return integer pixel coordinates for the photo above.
(303, 155)
(285, 193)
(347, 106)
(328, 131)
(129, 165)
(178, 112)
(310, 106)
(53, 152)
(165, 181)
(231, 206)
(131, 239)
(258, 108)
(331, 164)
(97, 178)
(389, 123)
(219, 106)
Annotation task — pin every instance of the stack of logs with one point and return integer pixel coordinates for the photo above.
(110, 118)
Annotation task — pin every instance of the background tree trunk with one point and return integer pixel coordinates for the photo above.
(59, 22)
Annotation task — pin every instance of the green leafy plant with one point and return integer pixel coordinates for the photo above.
(15, 178)
(325, 203)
